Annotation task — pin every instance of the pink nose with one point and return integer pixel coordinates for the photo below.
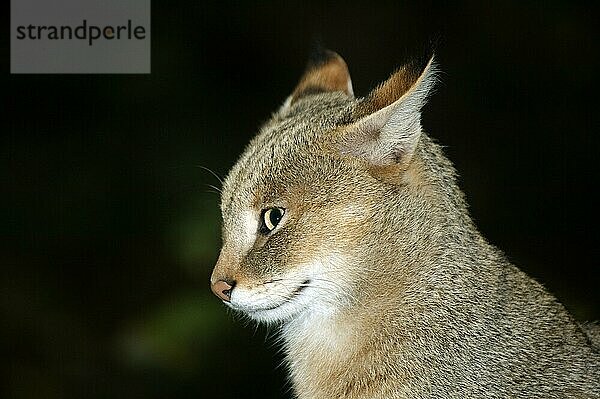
(222, 290)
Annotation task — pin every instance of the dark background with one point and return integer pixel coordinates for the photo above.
(109, 232)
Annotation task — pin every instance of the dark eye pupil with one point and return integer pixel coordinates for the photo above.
(275, 216)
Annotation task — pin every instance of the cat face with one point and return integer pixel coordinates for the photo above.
(309, 188)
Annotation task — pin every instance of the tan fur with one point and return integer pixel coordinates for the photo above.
(330, 74)
(387, 92)
(378, 279)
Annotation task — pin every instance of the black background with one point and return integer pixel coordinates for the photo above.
(109, 231)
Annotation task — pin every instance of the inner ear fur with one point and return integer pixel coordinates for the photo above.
(386, 93)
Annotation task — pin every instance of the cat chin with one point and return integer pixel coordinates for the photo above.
(278, 313)
(281, 314)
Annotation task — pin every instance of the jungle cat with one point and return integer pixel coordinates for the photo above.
(344, 226)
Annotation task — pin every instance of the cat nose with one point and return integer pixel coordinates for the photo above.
(222, 289)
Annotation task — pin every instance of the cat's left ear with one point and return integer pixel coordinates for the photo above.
(388, 120)
(326, 72)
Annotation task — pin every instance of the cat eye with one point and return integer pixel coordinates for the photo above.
(270, 218)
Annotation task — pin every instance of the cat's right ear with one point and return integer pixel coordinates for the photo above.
(326, 72)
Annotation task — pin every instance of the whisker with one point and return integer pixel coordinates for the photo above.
(217, 189)
(211, 172)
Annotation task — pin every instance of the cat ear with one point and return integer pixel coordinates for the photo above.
(326, 72)
(388, 120)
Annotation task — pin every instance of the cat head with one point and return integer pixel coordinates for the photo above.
(302, 206)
